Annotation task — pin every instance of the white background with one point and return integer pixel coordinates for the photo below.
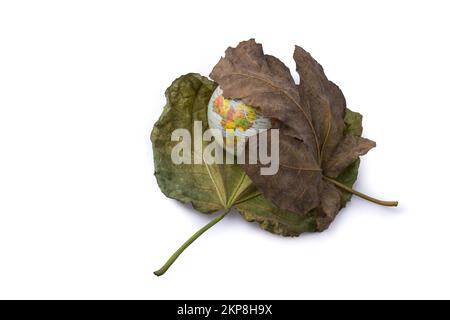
(81, 215)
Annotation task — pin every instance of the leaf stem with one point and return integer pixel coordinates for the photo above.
(362, 195)
(177, 253)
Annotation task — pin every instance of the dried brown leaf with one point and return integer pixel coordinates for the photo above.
(312, 138)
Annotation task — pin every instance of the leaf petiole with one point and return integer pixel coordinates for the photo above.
(362, 195)
(177, 253)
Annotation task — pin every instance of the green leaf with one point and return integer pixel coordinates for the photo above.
(213, 188)
(209, 188)
(353, 123)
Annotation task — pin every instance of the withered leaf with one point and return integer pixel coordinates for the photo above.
(313, 144)
(263, 81)
(289, 223)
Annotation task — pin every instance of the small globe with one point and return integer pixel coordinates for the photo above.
(233, 117)
(235, 120)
